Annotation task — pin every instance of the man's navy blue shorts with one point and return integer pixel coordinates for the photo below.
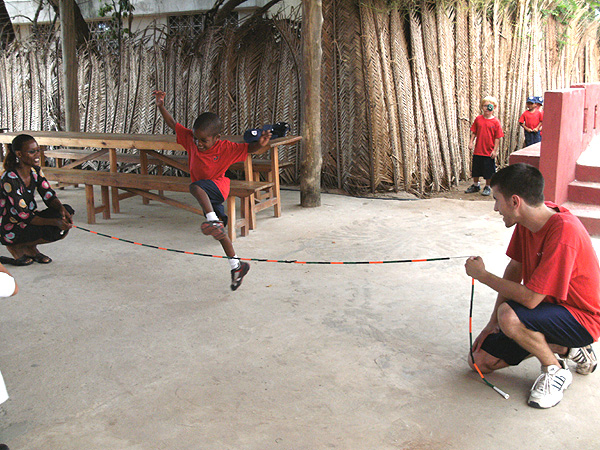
(483, 166)
(553, 321)
(215, 197)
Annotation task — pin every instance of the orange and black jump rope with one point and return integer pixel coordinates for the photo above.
(395, 261)
(497, 389)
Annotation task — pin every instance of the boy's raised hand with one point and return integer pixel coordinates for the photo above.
(160, 97)
(265, 137)
(262, 145)
(160, 104)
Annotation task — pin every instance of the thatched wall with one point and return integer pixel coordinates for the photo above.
(401, 85)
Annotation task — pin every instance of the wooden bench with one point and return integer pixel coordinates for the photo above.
(80, 156)
(62, 154)
(83, 147)
(136, 184)
(262, 168)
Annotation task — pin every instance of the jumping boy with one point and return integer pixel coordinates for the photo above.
(485, 133)
(531, 121)
(209, 157)
(548, 303)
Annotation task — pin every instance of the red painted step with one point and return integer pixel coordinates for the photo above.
(588, 164)
(528, 155)
(588, 214)
(584, 192)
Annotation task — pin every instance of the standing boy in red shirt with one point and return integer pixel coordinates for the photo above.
(209, 157)
(548, 300)
(485, 133)
(531, 121)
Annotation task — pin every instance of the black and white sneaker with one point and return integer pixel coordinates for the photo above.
(585, 358)
(214, 228)
(237, 275)
(472, 188)
(548, 389)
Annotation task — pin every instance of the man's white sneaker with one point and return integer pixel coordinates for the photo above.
(585, 358)
(549, 387)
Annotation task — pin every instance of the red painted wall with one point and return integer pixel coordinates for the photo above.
(591, 112)
(562, 141)
(571, 121)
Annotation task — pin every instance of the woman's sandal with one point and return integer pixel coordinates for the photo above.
(41, 258)
(22, 261)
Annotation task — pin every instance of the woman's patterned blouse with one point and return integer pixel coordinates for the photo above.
(17, 202)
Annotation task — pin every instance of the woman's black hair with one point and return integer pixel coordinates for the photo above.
(10, 161)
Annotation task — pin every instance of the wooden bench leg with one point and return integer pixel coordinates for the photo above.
(246, 211)
(160, 169)
(105, 202)
(243, 222)
(231, 226)
(251, 213)
(144, 171)
(89, 200)
(92, 209)
(112, 157)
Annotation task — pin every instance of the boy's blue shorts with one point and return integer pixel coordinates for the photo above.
(215, 197)
(553, 321)
(532, 137)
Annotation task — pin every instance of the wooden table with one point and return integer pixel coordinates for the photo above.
(150, 146)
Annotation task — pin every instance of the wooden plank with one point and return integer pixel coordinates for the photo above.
(177, 184)
(121, 140)
(241, 187)
(101, 140)
(89, 157)
(261, 165)
(130, 158)
(149, 182)
(163, 199)
(170, 161)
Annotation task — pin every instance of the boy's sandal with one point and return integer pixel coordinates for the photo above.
(22, 261)
(41, 258)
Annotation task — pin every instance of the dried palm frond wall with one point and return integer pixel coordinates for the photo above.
(401, 83)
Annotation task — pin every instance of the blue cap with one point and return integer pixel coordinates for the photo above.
(539, 100)
(252, 135)
(532, 99)
(278, 130)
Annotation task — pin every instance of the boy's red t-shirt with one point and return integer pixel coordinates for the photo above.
(213, 163)
(559, 262)
(487, 131)
(531, 119)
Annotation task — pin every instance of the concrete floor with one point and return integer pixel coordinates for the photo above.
(117, 346)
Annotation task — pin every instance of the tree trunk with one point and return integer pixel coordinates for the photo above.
(69, 54)
(82, 32)
(311, 159)
(7, 33)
